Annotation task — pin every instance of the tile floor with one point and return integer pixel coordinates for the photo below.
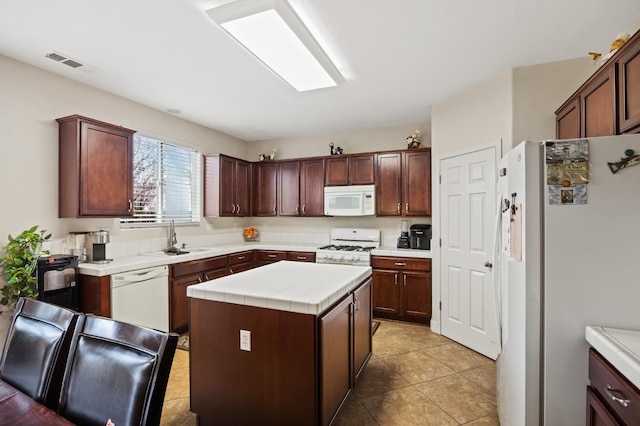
(414, 377)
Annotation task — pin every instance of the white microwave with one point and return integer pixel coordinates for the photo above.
(355, 200)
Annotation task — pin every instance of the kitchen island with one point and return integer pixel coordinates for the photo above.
(280, 344)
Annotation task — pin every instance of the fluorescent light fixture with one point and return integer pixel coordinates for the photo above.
(274, 33)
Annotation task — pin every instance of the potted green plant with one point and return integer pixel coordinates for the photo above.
(19, 264)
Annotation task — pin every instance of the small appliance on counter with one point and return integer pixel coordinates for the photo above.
(56, 275)
(403, 239)
(420, 237)
(96, 246)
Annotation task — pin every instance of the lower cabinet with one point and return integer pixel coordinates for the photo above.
(611, 398)
(242, 261)
(95, 295)
(182, 275)
(302, 256)
(345, 348)
(402, 288)
(270, 256)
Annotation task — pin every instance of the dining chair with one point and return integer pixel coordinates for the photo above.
(116, 372)
(36, 349)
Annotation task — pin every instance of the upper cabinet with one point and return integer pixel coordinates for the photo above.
(350, 170)
(95, 169)
(608, 103)
(629, 87)
(265, 181)
(404, 183)
(226, 183)
(301, 188)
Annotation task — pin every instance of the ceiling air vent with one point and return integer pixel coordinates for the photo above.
(58, 57)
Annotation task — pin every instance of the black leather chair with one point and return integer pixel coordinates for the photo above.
(116, 371)
(36, 349)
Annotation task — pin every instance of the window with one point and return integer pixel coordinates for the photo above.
(166, 183)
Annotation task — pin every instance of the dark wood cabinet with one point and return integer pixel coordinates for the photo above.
(611, 398)
(362, 343)
(301, 188)
(404, 183)
(95, 295)
(402, 288)
(350, 170)
(568, 119)
(265, 184)
(301, 256)
(608, 103)
(182, 275)
(598, 105)
(226, 186)
(95, 163)
(270, 256)
(629, 88)
(242, 261)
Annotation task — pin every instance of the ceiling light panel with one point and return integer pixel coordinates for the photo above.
(273, 32)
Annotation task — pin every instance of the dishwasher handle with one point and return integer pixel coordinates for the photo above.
(137, 276)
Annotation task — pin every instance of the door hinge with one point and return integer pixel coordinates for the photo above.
(440, 242)
(440, 303)
(440, 179)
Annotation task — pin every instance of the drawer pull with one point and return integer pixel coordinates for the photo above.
(271, 255)
(240, 257)
(610, 390)
(401, 264)
(302, 257)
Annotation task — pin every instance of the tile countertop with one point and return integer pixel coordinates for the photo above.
(393, 251)
(130, 263)
(620, 347)
(307, 288)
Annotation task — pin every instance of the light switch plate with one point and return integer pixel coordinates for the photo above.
(245, 340)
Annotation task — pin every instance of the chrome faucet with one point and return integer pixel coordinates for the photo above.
(172, 239)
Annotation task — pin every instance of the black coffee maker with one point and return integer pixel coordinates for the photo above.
(420, 237)
(403, 239)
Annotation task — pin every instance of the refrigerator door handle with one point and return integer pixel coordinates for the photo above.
(497, 272)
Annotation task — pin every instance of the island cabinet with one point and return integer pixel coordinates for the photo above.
(402, 288)
(253, 364)
(404, 183)
(264, 195)
(611, 398)
(181, 276)
(301, 188)
(95, 168)
(95, 295)
(226, 186)
(356, 169)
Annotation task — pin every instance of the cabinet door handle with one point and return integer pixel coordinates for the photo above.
(395, 279)
(609, 391)
(406, 207)
(130, 204)
(297, 209)
(238, 210)
(206, 277)
(401, 264)
(274, 209)
(199, 279)
(233, 208)
(230, 270)
(398, 207)
(404, 279)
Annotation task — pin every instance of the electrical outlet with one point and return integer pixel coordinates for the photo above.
(245, 340)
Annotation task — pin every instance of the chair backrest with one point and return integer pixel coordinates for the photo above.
(116, 371)
(36, 349)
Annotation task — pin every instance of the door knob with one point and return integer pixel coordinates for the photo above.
(488, 264)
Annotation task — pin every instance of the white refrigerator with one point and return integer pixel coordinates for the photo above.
(562, 265)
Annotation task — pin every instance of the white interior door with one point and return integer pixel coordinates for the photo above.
(468, 214)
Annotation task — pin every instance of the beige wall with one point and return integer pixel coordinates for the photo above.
(31, 100)
(539, 90)
(372, 139)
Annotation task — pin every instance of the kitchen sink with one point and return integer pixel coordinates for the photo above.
(179, 252)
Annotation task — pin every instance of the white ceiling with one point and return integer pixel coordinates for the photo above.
(398, 57)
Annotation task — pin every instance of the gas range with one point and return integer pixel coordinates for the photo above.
(349, 246)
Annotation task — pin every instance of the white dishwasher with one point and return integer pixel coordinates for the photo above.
(141, 297)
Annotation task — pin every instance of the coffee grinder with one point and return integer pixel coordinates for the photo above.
(96, 246)
(403, 239)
